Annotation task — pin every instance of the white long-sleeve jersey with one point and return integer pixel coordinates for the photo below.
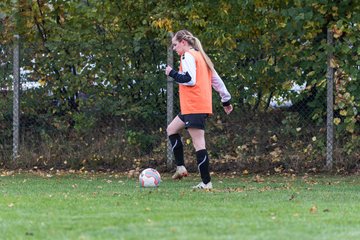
(189, 69)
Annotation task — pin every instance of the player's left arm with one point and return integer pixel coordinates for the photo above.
(219, 86)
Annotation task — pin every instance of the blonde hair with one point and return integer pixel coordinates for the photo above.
(195, 43)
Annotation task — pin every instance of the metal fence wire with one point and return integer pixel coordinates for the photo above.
(86, 110)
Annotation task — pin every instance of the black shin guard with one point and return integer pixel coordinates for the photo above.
(203, 165)
(177, 148)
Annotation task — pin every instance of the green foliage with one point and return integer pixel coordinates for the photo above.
(83, 122)
(99, 60)
(5, 126)
(143, 142)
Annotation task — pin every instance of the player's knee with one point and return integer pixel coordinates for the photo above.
(170, 130)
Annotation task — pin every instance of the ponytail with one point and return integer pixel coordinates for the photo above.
(208, 61)
(195, 43)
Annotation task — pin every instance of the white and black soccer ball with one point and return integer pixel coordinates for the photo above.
(149, 178)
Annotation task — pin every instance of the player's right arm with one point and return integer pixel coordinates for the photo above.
(188, 75)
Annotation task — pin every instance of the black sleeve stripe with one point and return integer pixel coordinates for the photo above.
(180, 78)
(225, 104)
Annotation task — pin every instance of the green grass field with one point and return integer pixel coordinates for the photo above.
(108, 206)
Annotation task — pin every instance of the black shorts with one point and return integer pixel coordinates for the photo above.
(194, 120)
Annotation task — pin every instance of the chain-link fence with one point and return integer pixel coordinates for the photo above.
(81, 109)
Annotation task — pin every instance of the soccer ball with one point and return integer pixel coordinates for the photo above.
(149, 178)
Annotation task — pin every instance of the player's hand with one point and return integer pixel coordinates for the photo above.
(228, 109)
(168, 70)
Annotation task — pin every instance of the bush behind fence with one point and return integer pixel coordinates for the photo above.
(101, 109)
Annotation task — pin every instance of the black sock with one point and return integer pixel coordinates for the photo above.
(177, 148)
(203, 165)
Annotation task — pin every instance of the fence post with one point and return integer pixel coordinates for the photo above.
(170, 101)
(16, 96)
(330, 104)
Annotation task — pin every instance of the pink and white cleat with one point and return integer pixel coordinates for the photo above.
(180, 173)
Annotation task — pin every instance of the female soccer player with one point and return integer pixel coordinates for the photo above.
(196, 77)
